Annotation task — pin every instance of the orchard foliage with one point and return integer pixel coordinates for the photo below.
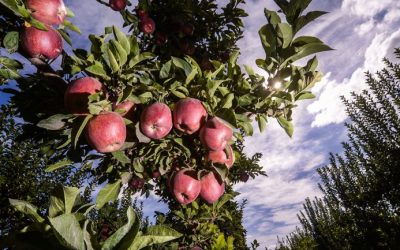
(173, 50)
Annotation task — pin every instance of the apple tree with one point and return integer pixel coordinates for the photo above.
(161, 106)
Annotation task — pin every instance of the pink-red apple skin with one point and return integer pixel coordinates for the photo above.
(186, 186)
(156, 121)
(211, 188)
(225, 156)
(215, 134)
(142, 14)
(147, 25)
(125, 108)
(189, 115)
(117, 5)
(78, 91)
(106, 132)
(42, 44)
(50, 12)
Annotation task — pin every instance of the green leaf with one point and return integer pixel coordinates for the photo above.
(122, 39)
(124, 235)
(268, 39)
(285, 32)
(10, 63)
(108, 193)
(140, 58)
(55, 122)
(304, 96)
(70, 13)
(58, 165)
(155, 235)
(120, 52)
(262, 122)
(26, 208)
(306, 50)
(228, 115)
(165, 69)
(9, 74)
(11, 41)
(68, 231)
(78, 133)
(98, 70)
(247, 127)
(227, 102)
(62, 200)
(306, 19)
(272, 17)
(286, 125)
(113, 62)
(71, 26)
(182, 64)
(121, 157)
(65, 36)
(70, 196)
(38, 25)
(12, 5)
(212, 86)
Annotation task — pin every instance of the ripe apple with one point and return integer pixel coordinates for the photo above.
(105, 232)
(125, 108)
(156, 174)
(205, 64)
(215, 134)
(137, 183)
(147, 25)
(186, 186)
(42, 44)
(187, 48)
(50, 12)
(156, 121)
(244, 177)
(117, 5)
(211, 188)
(142, 13)
(225, 156)
(106, 132)
(189, 115)
(161, 38)
(188, 29)
(78, 91)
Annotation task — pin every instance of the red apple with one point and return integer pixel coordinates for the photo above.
(156, 174)
(106, 132)
(189, 115)
(78, 91)
(117, 5)
(137, 183)
(215, 134)
(186, 186)
(105, 232)
(187, 48)
(125, 108)
(147, 25)
(50, 12)
(244, 177)
(142, 14)
(161, 38)
(225, 156)
(211, 188)
(188, 29)
(156, 121)
(205, 64)
(42, 44)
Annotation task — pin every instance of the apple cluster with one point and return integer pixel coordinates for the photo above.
(39, 43)
(106, 132)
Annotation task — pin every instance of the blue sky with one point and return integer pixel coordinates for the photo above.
(362, 33)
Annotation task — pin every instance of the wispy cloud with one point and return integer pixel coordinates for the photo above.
(362, 33)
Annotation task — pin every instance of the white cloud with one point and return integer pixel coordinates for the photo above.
(329, 108)
(365, 8)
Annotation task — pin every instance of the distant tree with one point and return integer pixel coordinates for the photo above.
(360, 208)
